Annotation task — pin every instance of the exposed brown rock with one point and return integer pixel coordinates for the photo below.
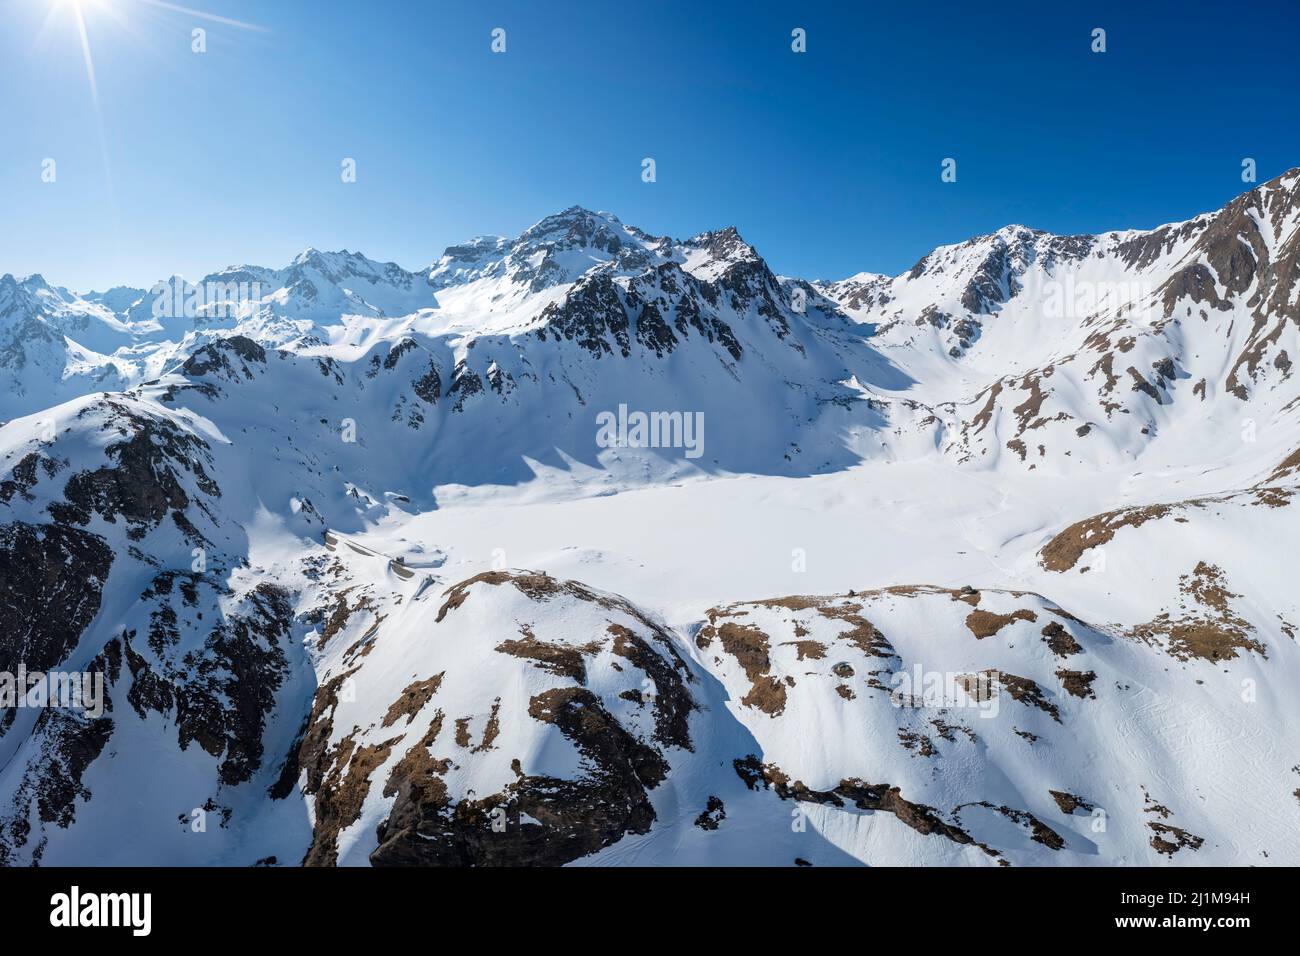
(413, 699)
(986, 623)
(565, 660)
(864, 796)
(1027, 692)
(1068, 802)
(1169, 839)
(751, 649)
(574, 817)
(341, 794)
(1077, 683)
(672, 700)
(808, 650)
(1209, 629)
(1059, 640)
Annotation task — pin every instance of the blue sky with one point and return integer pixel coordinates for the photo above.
(828, 161)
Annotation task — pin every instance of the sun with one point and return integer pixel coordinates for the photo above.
(79, 14)
(80, 11)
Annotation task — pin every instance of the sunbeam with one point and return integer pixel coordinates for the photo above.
(79, 10)
(227, 21)
(84, 15)
(85, 51)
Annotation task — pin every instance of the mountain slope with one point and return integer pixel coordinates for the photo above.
(1088, 351)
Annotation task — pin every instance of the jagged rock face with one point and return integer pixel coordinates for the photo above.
(522, 720)
(228, 358)
(548, 253)
(592, 314)
(217, 683)
(51, 586)
(623, 289)
(141, 482)
(658, 309)
(47, 788)
(97, 521)
(204, 677)
(1135, 334)
(54, 571)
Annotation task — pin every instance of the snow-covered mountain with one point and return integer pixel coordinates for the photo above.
(55, 345)
(1029, 342)
(598, 547)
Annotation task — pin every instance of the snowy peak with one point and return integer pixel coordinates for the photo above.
(29, 296)
(587, 278)
(277, 306)
(1012, 308)
(344, 267)
(560, 249)
(55, 345)
(35, 318)
(120, 300)
(375, 288)
(557, 250)
(573, 227)
(1210, 258)
(981, 274)
(712, 255)
(857, 294)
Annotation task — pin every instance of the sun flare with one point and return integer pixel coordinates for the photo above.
(82, 11)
